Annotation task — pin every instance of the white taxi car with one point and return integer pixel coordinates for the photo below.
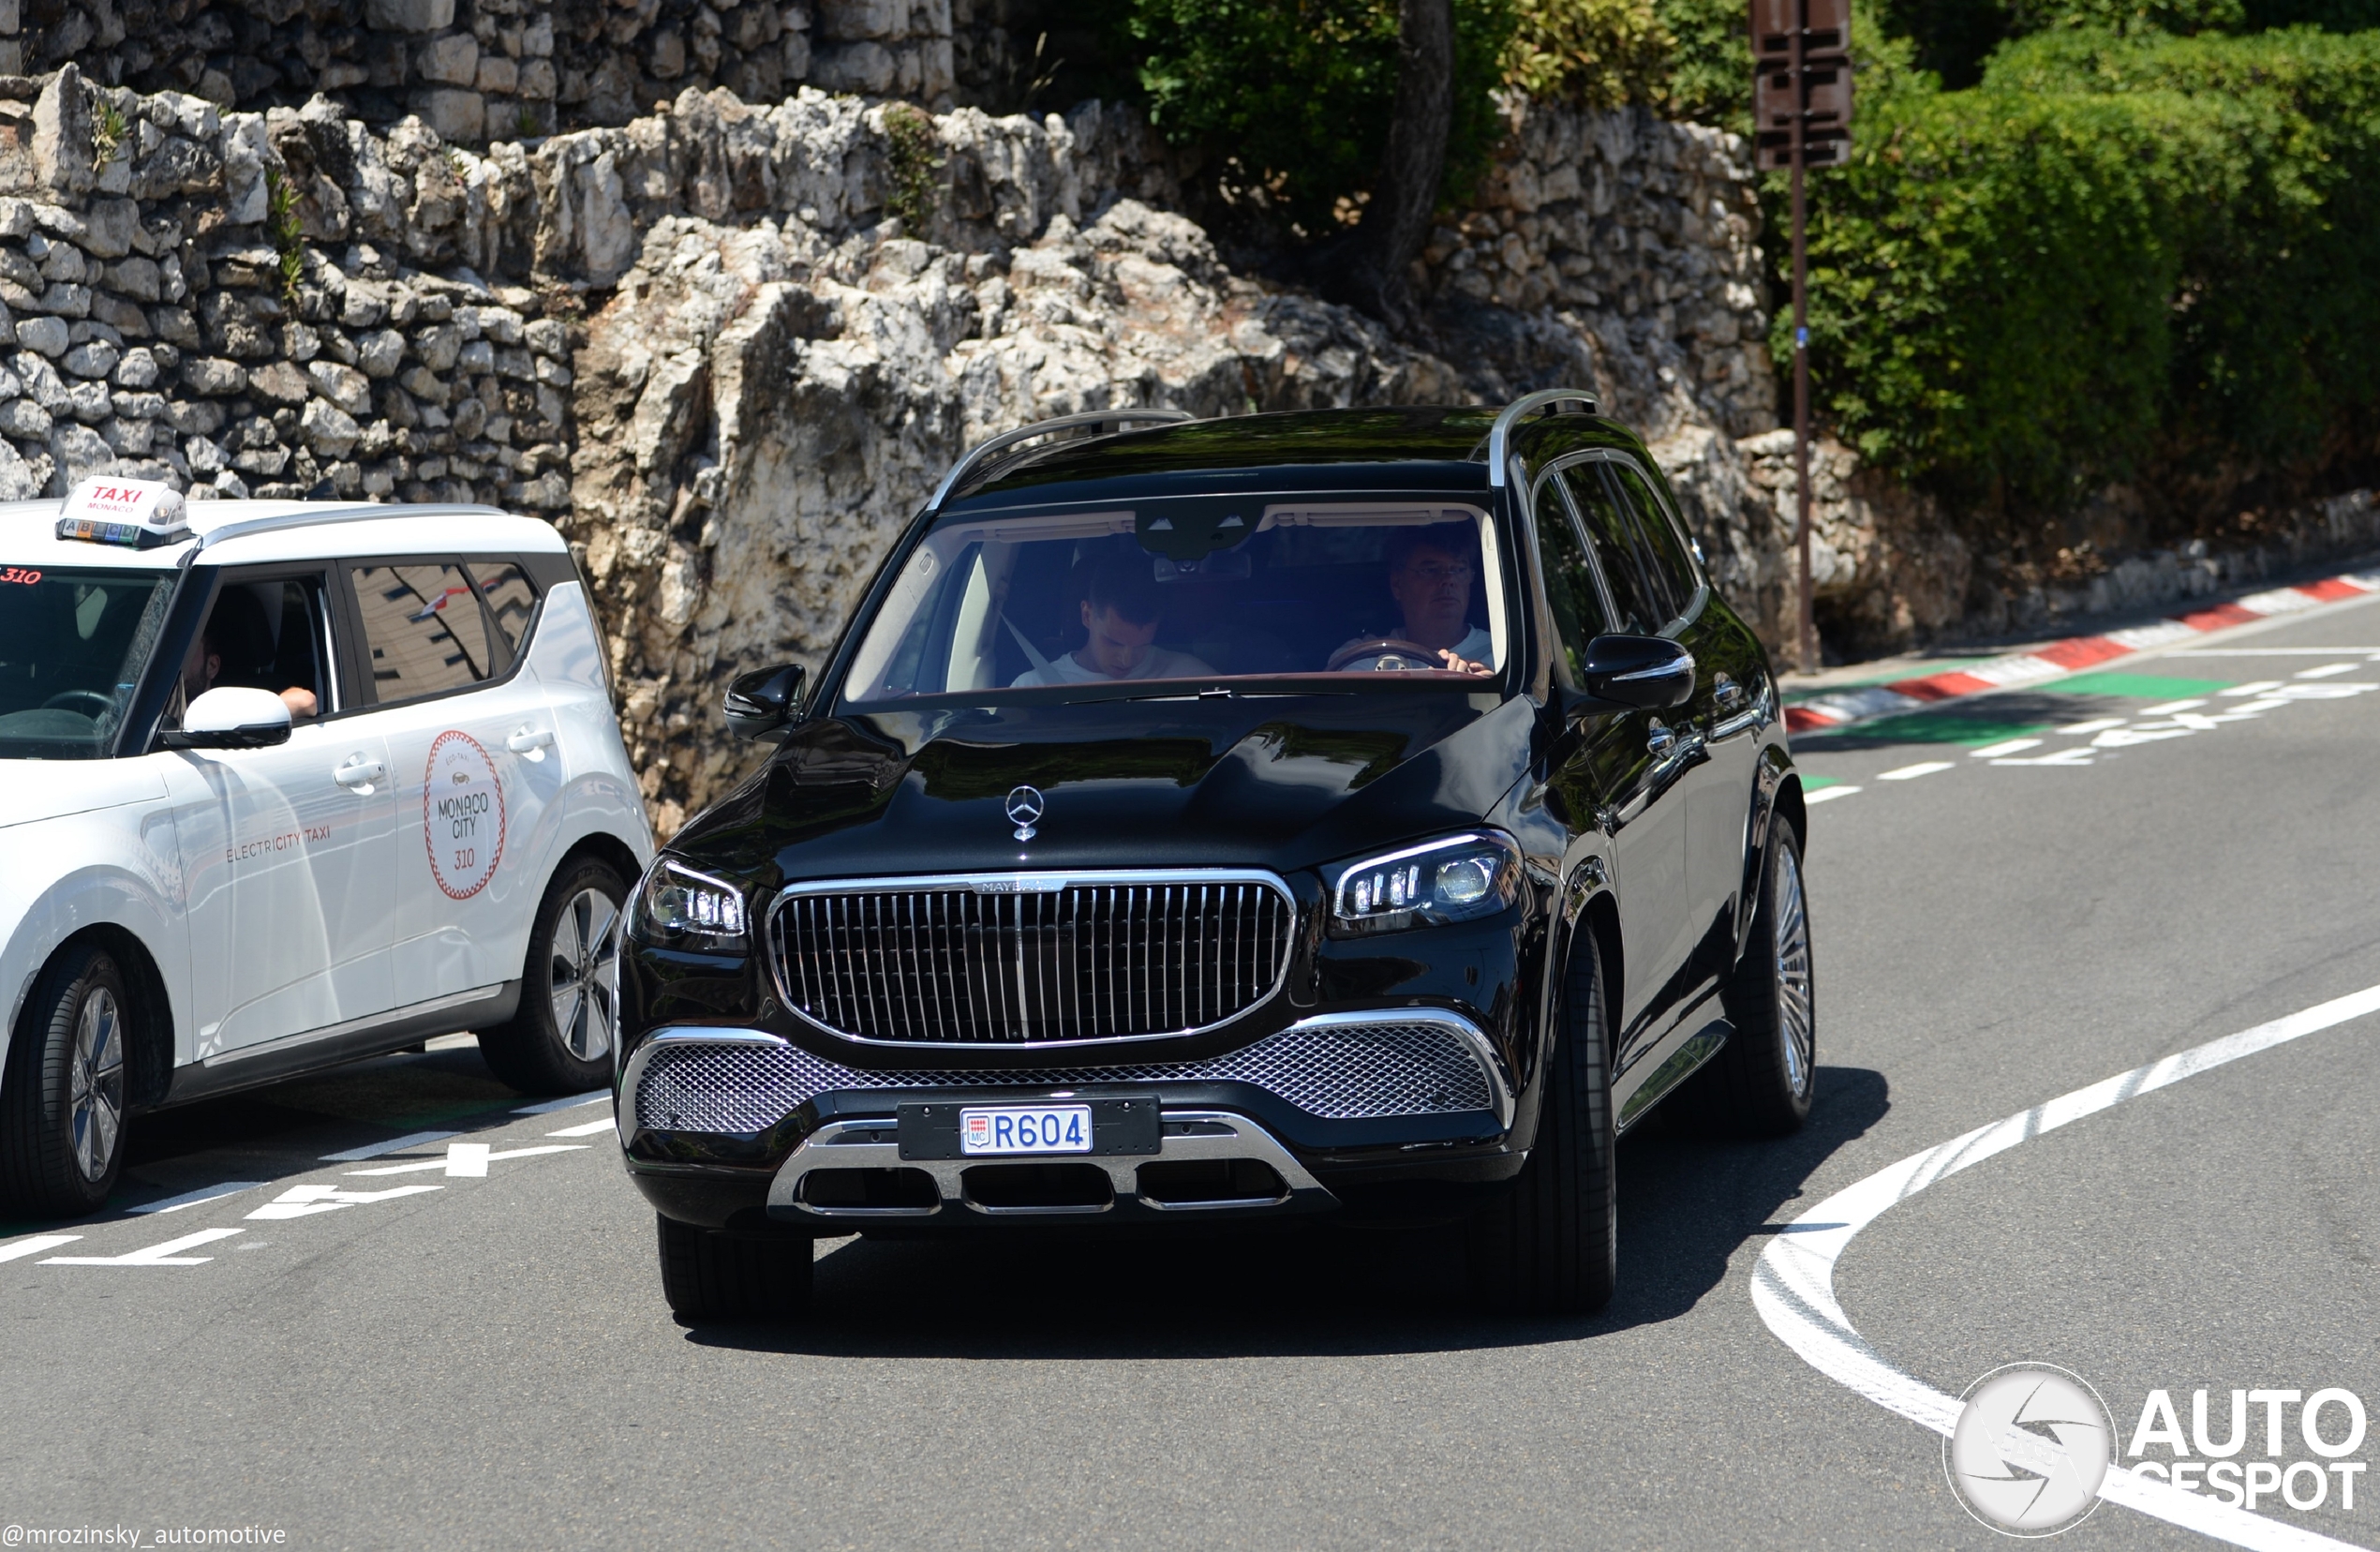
(287, 783)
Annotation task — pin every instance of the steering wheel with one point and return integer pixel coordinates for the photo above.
(102, 706)
(1385, 654)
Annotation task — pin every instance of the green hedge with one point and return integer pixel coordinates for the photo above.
(2151, 259)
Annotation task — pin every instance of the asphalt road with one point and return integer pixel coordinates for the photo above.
(485, 1361)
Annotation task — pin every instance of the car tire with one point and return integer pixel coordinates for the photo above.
(62, 1105)
(710, 1274)
(1760, 1083)
(560, 1040)
(1550, 1246)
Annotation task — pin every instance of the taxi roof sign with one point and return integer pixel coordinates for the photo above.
(138, 514)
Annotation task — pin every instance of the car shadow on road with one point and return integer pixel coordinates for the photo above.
(1688, 1204)
(2007, 714)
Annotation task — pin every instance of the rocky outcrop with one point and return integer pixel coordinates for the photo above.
(730, 347)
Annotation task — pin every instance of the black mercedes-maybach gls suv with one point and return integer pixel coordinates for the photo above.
(1367, 811)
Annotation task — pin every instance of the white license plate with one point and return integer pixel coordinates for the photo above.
(1025, 1129)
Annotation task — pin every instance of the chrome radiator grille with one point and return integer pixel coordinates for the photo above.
(1031, 958)
(1339, 1071)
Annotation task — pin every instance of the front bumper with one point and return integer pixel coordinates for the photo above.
(730, 1125)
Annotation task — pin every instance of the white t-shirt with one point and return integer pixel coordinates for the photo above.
(1159, 663)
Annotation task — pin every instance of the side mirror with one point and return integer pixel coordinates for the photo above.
(232, 717)
(762, 703)
(1649, 673)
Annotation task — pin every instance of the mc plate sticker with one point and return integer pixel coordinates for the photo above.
(462, 815)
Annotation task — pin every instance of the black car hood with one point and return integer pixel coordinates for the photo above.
(1284, 781)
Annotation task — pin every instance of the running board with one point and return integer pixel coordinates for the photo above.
(1698, 1048)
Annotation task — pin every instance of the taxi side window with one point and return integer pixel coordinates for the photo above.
(423, 630)
(1670, 561)
(1571, 590)
(511, 598)
(1636, 607)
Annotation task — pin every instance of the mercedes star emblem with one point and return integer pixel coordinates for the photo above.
(1024, 810)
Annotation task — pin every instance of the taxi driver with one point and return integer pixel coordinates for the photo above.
(1120, 623)
(205, 663)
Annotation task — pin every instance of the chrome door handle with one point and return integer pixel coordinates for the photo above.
(357, 772)
(532, 741)
(1728, 693)
(1659, 741)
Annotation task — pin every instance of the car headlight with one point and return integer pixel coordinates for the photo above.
(1460, 878)
(677, 907)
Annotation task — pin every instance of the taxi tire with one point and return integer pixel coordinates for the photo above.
(40, 1173)
(1762, 1082)
(710, 1274)
(528, 1052)
(1550, 1245)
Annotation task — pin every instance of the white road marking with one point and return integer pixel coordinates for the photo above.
(2167, 708)
(2327, 670)
(1793, 1282)
(34, 1246)
(469, 1160)
(2344, 690)
(204, 1193)
(550, 1106)
(1828, 795)
(394, 1145)
(168, 1254)
(2096, 724)
(1911, 772)
(2075, 754)
(307, 1200)
(591, 1127)
(2258, 688)
(2010, 746)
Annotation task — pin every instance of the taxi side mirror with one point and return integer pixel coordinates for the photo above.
(1648, 673)
(231, 717)
(761, 705)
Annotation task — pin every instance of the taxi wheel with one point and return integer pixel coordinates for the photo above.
(1761, 1082)
(1550, 1246)
(62, 1112)
(559, 1041)
(707, 1274)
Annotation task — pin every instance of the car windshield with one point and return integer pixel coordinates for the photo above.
(73, 644)
(1205, 589)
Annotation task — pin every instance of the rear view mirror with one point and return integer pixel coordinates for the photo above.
(232, 717)
(1649, 673)
(761, 705)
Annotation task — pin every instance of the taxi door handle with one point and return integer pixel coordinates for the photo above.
(357, 772)
(530, 741)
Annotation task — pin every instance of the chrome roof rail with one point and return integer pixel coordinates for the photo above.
(1500, 434)
(975, 455)
(364, 513)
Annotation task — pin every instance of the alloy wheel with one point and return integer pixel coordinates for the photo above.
(95, 1083)
(1796, 1016)
(582, 972)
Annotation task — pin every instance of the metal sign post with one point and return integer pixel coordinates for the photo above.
(1802, 114)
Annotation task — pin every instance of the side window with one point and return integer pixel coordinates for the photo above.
(1636, 608)
(1672, 564)
(510, 597)
(423, 627)
(1569, 580)
(270, 633)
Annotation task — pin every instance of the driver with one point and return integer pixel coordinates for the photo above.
(205, 661)
(1430, 571)
(1120, 623)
